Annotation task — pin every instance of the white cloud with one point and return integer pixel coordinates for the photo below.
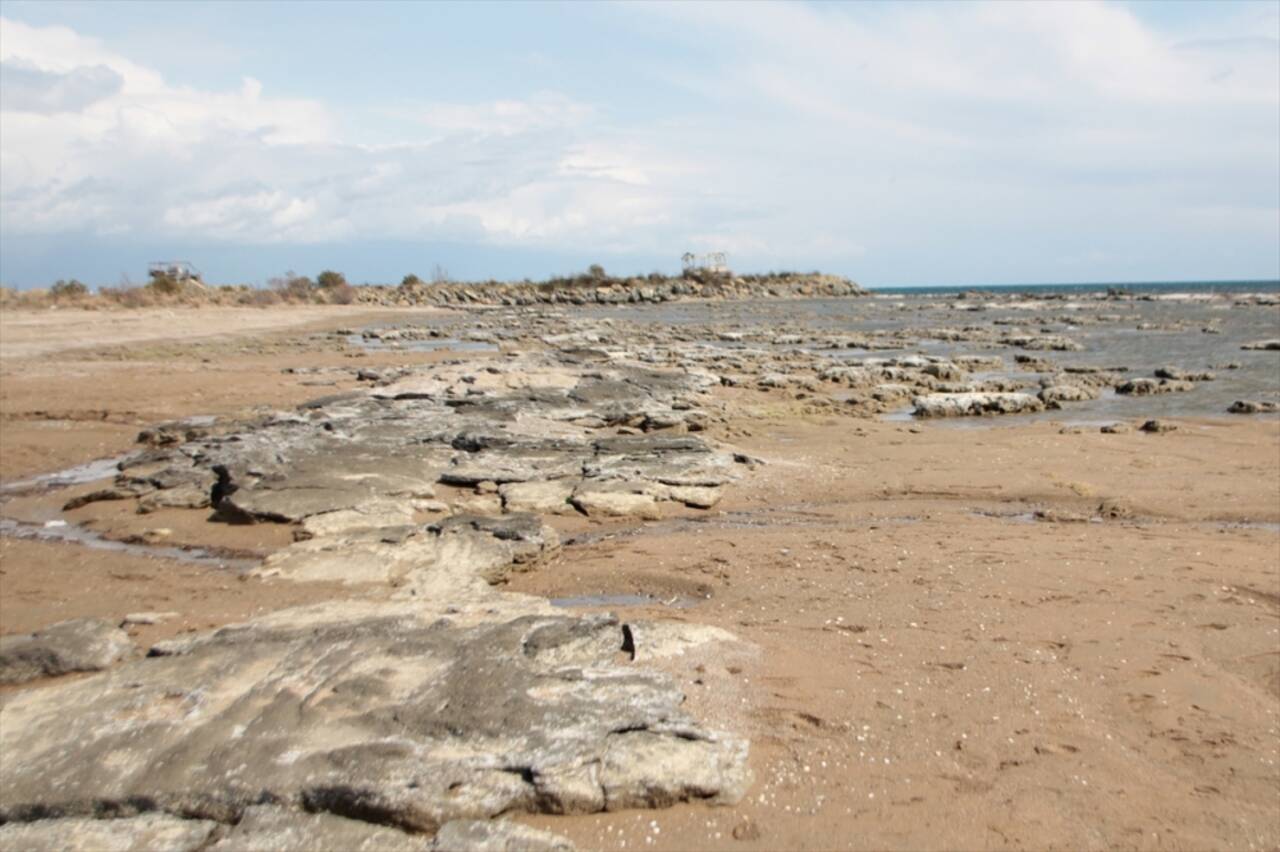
(850, 134)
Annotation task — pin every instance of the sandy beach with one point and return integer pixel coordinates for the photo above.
(1020, 632)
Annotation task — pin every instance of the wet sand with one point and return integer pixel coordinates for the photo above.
(933, 665)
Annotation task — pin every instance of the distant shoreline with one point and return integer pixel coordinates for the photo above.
(1246, 286)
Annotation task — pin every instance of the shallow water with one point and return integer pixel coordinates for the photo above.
(1108, 331)
(584, 601)
(59, 531)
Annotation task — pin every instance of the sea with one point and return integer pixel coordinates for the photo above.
(1250, 286)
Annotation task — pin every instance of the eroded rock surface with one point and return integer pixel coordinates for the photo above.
(407, 714)
(79, 645)
(970, 404)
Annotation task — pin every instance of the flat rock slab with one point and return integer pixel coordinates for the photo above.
(150, 832)
(971, 404)
(1149, 387)
(407, 714)
(263, 828)
(79, 645)
(549, 498)
(454, 556)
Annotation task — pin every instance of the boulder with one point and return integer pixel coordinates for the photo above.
(970, 404)
(154, 832)
(1148, 387)
(79, 645)
(615, 500)
(474, 835)
(1245, 406)
(408, 714)
(1053, 395)
(549, 497)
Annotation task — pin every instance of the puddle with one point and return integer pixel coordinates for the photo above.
(78, 475)
(429, 345)
(583, 601)
(901, 416)
(60, 531)
(1266, 526)
(1015, 517)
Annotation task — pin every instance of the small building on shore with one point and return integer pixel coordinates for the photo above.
(715, 261)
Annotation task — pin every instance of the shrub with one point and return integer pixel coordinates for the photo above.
(411, 280)
(164, 284)
(439, 275)
(263, 298)
(329, 279)
(293, 287)
(596, 271)
(342, 294)
(72, 289)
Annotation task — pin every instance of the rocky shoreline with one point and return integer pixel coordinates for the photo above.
(428, 716)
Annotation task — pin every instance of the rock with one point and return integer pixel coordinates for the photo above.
(290, 505)
(449, 557)
(653, 640)
(1053, 395)
(969, 404)
(1183, 375)
(478, 504)
(271, 829)
(1116, 509)
(695, 497)
(1243, 406)
(79, 645)
(1157, 427)
(1147, 387)
(181, 497)
(409, 714)
(473, 835)
(1116, 429)
(1060, 516)
(615, 500)
(145, 618)
(369, 515)
(1271, 345)
(1052, 342)
(510, 465)
(115, 492)
(153, 832)
(549, 497)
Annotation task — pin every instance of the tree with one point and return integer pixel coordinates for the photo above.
(72, 289)
(329, 279)
(596, 271)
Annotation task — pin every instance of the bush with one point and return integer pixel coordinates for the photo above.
(72, 289)
(263, 298)
(596, 271)
(411, 280)
(163, 283)
(342, 294)
(329, 279)
(293, 287)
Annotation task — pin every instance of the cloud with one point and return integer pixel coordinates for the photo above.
(29, 89)
(894, 139)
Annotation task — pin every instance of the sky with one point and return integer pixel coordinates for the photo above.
(897, 144)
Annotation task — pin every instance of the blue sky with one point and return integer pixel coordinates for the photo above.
(897, 144)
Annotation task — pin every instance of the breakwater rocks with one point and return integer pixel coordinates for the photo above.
(395, 723)
(587, 290)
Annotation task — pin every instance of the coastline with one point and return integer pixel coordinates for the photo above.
(928, 616)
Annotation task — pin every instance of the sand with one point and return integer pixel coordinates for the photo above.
(933, 665)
